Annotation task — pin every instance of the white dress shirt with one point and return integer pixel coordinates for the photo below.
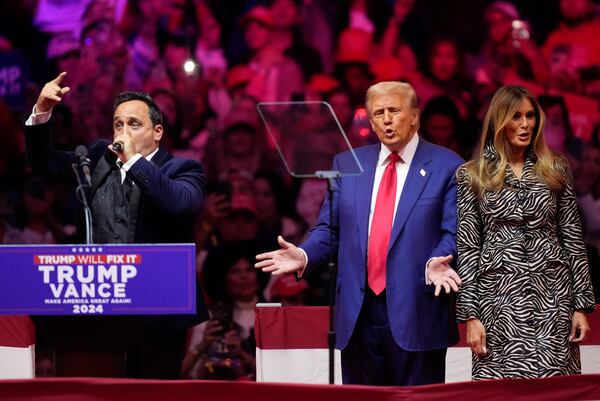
(406, 155)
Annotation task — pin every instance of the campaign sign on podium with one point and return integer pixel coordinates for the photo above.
(98, 279)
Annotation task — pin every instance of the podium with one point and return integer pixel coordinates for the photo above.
(291, 346)
(83, 298)
(17, 343)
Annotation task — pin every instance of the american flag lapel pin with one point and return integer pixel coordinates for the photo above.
(423, 173)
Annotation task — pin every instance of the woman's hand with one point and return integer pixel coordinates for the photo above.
(580, 328)
(233, 343)
(212, 333)
(476, 337)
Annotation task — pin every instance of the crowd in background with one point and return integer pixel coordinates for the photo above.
(241, 52)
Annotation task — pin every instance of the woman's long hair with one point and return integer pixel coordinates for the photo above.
(487, 169)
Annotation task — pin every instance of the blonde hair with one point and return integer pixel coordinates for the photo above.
(487, 173)
(403, 89)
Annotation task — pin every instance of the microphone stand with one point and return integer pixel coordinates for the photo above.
(81, 195)
(330, 176)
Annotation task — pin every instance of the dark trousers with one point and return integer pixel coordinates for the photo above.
(372, 356)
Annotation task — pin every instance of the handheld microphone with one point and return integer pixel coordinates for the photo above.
(118, 146)
(84, 162)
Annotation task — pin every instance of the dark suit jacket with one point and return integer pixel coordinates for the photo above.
(164, 202)
(424, 227)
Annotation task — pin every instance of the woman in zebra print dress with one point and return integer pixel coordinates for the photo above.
(526, 282)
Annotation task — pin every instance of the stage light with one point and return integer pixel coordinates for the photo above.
(190, 66)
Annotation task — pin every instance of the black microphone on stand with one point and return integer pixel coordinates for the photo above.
(118, 146)
(84, 162)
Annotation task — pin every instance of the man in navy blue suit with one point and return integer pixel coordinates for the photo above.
(395, 232)
(139, 194)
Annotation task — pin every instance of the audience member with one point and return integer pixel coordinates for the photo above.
(223, 347)
(273, 207)
(509, 54)
(8, 233)
(211, 61)
(352, 63)
(39, 225)
(441, 124)
(393, 43)
(587, 186)
(572, 48)
(557, 130)
(275, 76)
(445, 75)
(286, 15)
(171, 111)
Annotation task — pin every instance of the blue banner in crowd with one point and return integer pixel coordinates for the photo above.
(98, 279)
(13, 75)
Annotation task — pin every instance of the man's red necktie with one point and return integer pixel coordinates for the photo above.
(381, 226)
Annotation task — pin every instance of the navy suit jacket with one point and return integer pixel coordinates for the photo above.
(164, 202)
(424, 227)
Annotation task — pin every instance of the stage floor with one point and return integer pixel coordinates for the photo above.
(566, 388)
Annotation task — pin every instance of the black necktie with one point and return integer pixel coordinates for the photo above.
(127, 187)
(127, 184)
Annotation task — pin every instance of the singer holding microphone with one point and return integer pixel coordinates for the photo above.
(138, 193)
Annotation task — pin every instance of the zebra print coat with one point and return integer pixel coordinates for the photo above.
(524, 267)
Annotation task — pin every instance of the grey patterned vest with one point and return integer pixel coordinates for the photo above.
(110, 207)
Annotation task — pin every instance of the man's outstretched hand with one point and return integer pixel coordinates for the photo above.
(441, 275)
(288, 259)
